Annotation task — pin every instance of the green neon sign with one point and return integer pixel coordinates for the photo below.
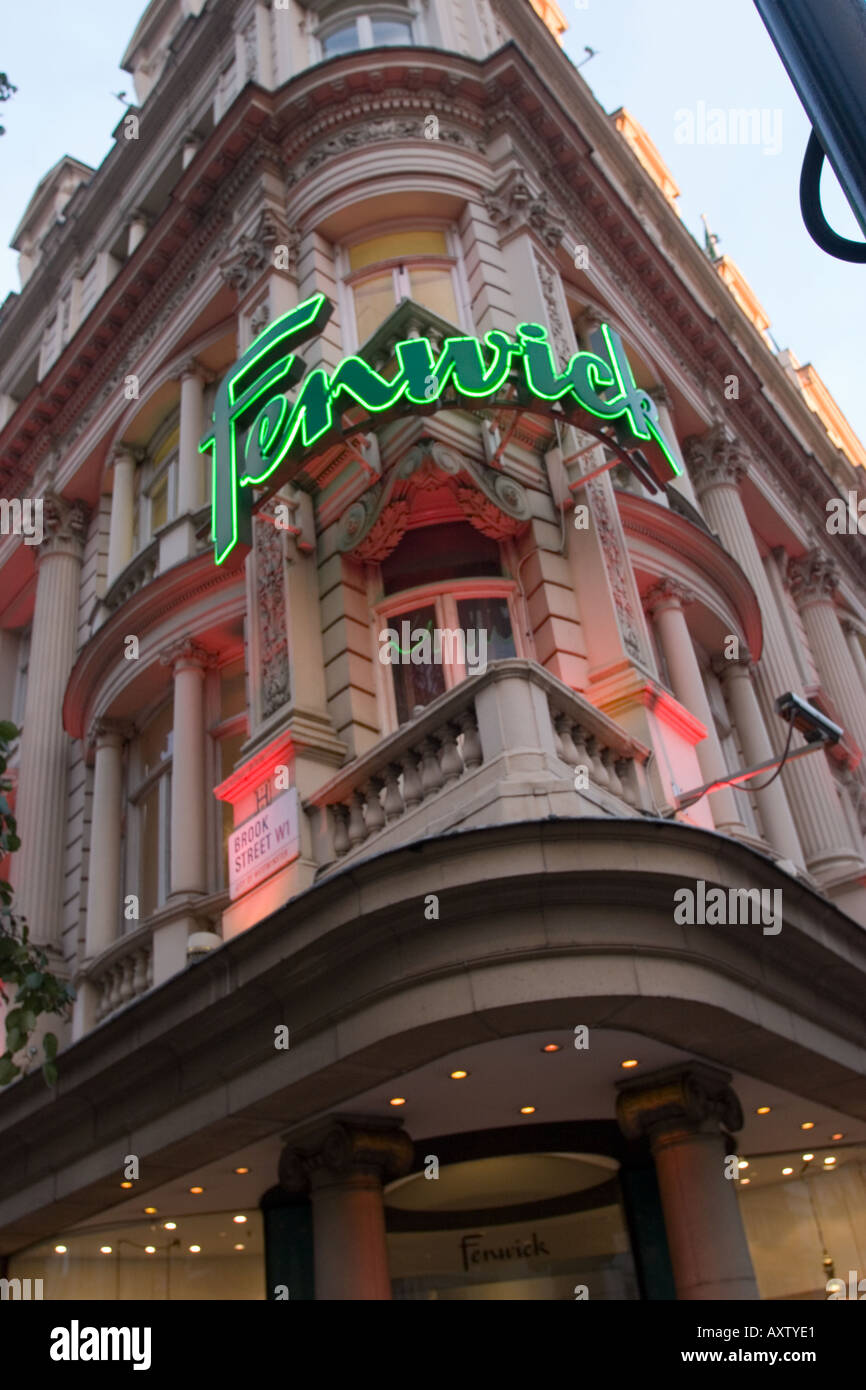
(256, 428)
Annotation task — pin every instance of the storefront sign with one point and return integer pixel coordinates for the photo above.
(267, 841)
(256, 428)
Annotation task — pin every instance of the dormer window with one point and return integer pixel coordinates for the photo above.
(383, 27)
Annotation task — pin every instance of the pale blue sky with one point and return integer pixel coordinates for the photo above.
(656, 57)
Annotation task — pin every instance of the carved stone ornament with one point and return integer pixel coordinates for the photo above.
(65, 525)
(715, 459)
(515, 204)
(616, 566)
(271, 615)
(692, 1098)
(345, 1146)
(494, 504)
(253, 254)
(813, 577)
(185, 651)
(669, 592)
(371, 132)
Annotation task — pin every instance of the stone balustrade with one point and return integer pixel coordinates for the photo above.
(500, 746)
(122, 974)
(140, 571)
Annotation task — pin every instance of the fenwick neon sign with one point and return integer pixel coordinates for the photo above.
(256, 429)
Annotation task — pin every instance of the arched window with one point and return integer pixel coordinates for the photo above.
(447, 582)
(366, 26)
(422, 264)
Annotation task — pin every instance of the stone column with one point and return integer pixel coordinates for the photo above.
(104, 865)
(718, 465)
(190, 461)
(121, 538)
(683, 1110)
(683, 483)
(665, 601)
(853, 631)
(188, 662)
(344, 1161)
(37, 867)
(779, 827)
(814, 579)
(136, 230)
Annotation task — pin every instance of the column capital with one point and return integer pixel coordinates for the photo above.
(716, 459)
(345, 1146)
(191, 367)
(852, 627)
(65, 526)
(668, 592)
(661, 396)
(727, 667)
(186, 652)
(126, 453)
(813, 577)
(104, 731)
(693, 1098)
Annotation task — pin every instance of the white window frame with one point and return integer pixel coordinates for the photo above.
(400, 267)
(443, 596)
(362, 16)
(138, 787)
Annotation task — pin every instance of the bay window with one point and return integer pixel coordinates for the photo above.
(417, 264)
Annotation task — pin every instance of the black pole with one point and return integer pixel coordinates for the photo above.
(822, 44)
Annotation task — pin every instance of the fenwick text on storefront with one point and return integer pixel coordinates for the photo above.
(256, 429)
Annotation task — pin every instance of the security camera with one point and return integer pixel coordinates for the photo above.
(809, 721)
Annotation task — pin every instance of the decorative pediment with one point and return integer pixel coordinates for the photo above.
(494, 504)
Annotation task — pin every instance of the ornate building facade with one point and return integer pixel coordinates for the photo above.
(382, 986)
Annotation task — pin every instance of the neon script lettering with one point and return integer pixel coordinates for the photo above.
(256, 428)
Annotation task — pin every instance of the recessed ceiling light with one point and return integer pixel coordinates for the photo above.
(240, 1247)
(239, 1220)
(743, 1163)
(105, 1249)
(196, 1191)
(195, 1249)
(242, 1170)
(829, 1160)
(60, 1249)
(150, 1250)
(744, 1182)
(170, 1225)
(397, 1100)
(126, 1184)
(552, 1047)
(808, 1124)
(807, 1158)
(527, 1109)
(787, 1171)
(630, 1062)
(150, 1211)
(458, 1075)
(837, 1136)
(763, 1110)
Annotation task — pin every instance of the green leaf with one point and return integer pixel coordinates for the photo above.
(49, 1042)
(29, 1020)
(49, 1071)
(8, 1071)
(14, 1039)
(8, 731)
(33, 980)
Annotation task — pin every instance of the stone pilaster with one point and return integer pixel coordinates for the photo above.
(37, 867)
(190, 469)
(103, 923)
(188, 661)
(344, 1161)
(666, 601)
(121, 533)
(685, 1112)
(718, 465)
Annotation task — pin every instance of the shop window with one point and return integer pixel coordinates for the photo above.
(378, 28)
(422, 265)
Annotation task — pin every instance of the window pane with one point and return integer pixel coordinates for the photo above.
(428, 554)
(343, 40)
(414, 685)
(233, 693)
(159, 505)
(435, 290)
(490, 614)
(393, 246)
(155, 742)
(391, 31)
(374, 300)
(148, 867)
